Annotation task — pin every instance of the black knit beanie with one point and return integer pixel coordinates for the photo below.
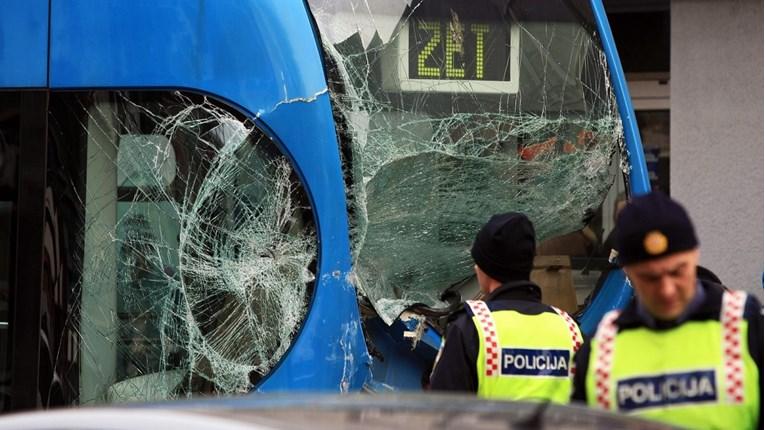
(504, 248)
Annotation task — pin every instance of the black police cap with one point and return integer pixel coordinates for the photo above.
(652, 226)
(504, 248)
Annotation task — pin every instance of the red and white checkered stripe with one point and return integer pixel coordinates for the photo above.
(576, 336)
(605, 337)
(490, 339)
(731, 315)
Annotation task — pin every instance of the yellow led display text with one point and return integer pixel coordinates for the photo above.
(479, 30)
(454, 43)
(434, 28)
(453, 50)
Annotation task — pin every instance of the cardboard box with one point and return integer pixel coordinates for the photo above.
(553, 274)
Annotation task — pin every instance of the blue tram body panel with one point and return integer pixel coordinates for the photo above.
(24, 44)
(617, 291)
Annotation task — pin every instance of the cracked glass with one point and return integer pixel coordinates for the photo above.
(198, 246)
(450, 111)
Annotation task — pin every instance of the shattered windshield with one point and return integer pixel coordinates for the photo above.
(198, 246)
(450, 111)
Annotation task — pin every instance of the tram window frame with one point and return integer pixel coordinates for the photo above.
(125, 194)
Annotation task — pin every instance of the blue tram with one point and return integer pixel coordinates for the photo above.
(224, 197)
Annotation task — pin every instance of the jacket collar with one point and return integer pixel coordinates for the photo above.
(517, 290)
(705, 304)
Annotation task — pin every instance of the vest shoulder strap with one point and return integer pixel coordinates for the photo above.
(576, 335)
(573, 328)
(731, 315)
(489, 332)
(606, 337)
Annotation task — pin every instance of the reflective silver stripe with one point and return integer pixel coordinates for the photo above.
(490, 339)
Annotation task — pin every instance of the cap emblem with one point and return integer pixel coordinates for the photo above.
(655, 242)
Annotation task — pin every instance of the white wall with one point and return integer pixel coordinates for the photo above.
(717, 132)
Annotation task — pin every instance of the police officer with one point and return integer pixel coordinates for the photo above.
(511, 345)
(686, 351)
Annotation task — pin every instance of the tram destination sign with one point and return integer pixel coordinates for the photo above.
(444, 55)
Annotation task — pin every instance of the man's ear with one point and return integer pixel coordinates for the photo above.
(480, 277)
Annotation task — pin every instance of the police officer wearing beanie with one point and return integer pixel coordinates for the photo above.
(685, 351)
(510, 346)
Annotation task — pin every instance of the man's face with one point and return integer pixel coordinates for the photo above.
(665, 286)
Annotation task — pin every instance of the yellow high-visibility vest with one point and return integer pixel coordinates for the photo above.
(525, 357)
(699, 374)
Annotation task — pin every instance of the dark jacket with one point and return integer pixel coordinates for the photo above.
(708, 309)
(455, 369)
